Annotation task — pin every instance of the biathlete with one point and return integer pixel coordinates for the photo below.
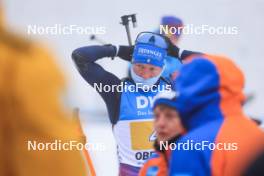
(130, 111)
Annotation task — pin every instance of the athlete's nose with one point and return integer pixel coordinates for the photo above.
(160, 123)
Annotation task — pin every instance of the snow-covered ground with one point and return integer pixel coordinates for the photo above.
(99, 133)
(245, 48)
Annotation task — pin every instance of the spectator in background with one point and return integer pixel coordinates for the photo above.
(172, 65)
(168, 128)
(209, 103)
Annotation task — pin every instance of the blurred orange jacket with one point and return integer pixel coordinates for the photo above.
(30, 110)
(156, 165)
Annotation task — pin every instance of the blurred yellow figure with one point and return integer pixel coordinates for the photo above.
(30, 110)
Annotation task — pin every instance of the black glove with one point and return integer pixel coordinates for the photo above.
(125, 52)
(172, 49)
(113, 50)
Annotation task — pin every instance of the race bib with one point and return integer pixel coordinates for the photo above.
(142, 135)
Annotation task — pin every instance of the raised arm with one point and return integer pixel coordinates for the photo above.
(85, 59)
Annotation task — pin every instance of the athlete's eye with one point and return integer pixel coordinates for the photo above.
(156, 115)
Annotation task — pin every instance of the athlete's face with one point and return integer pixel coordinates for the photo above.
(167, 123)
(146, 71)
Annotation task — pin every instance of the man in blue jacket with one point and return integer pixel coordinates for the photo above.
(130, 110)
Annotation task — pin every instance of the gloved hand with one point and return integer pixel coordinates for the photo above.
(113, 50)
(122, 51)
(125, 52)
(173, 50)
